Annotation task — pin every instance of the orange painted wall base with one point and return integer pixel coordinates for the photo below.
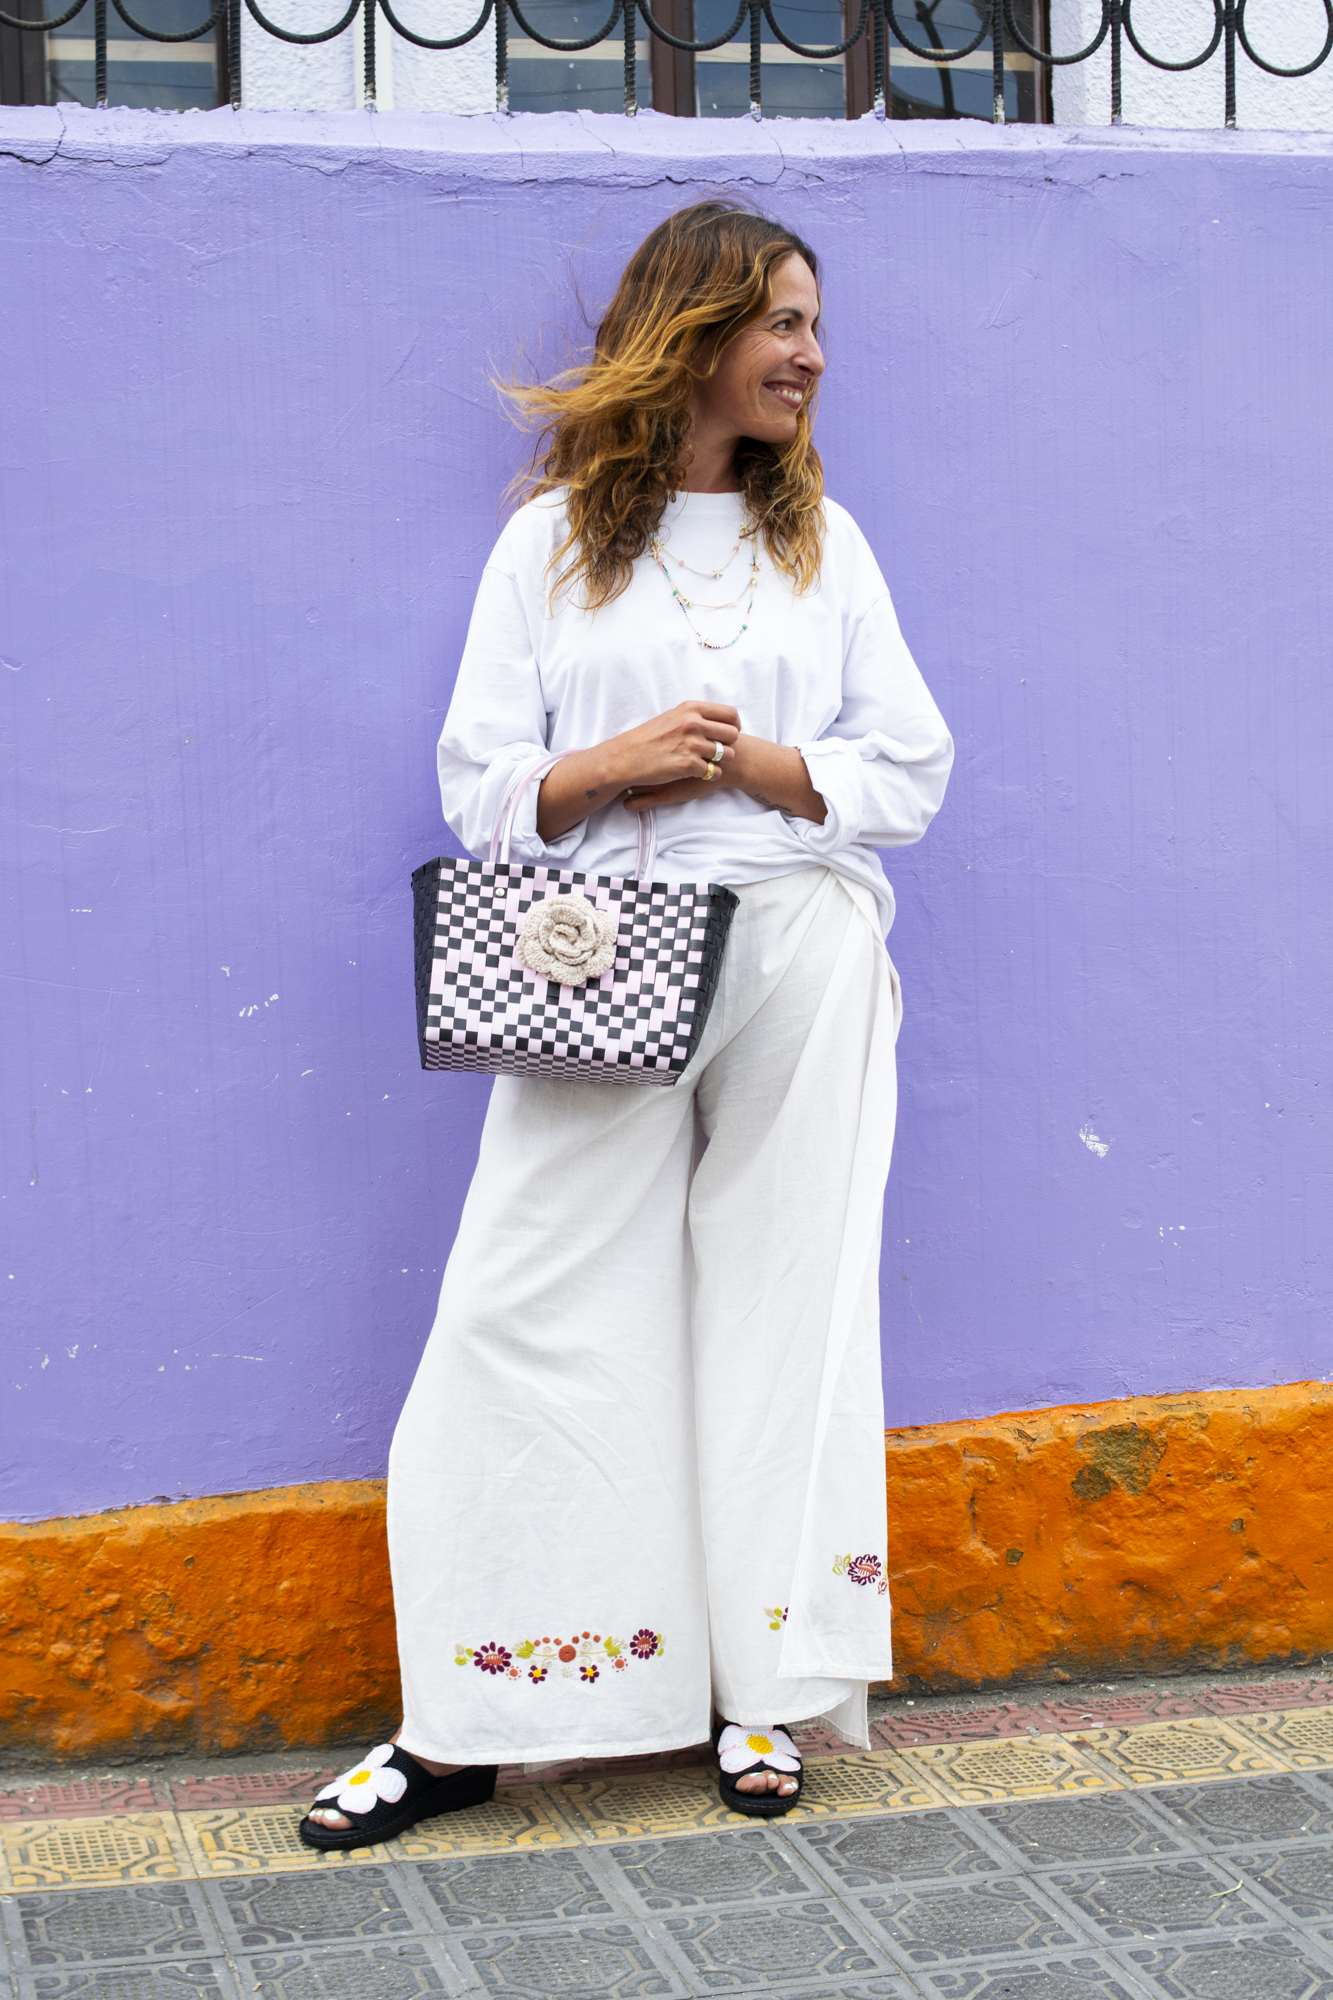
(1162, 1533)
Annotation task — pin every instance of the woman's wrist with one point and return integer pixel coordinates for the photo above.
(580, 784)
(774, 775)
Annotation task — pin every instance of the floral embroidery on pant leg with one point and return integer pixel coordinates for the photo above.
(862, 1569)
(579, 1657)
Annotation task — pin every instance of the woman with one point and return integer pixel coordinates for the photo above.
(640, 1474)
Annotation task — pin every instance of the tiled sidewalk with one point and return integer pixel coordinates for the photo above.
(1132, 1846)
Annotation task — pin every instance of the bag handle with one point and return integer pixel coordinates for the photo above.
(502, 837)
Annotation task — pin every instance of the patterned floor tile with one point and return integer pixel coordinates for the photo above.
(143, 1921)
(72, 1853)
(1069, 1978)
(1027, 1767)
(318, 1907)
(877, 1986)
(249, 1788)
(1125, 1709)
(1107, 1826)
(959, 1725)
(1299, 1877)
(877, 1781)
(1265, 1808)
(1245, 1700)
(816, 1740)
(84, 1800)
(524, 1888)
(760, 1951)
(512, 1822)
(259, 1840)
(1163, 1899)
(1302, 1739)
(918, 1846)
(749, 1865)
(1163, 1751)
(1262, 1968)
(379, 1972)
(966, 1920)
(681, 1802)
(590, 1962)
(658, 1803)
(195, 1980)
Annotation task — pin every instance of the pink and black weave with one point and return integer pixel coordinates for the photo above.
(479, 1008)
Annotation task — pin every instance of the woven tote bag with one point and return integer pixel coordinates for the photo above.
(482, 1006)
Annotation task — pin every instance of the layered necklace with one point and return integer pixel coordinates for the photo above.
(689, 604)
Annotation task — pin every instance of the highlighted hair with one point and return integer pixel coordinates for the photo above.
(615, 434)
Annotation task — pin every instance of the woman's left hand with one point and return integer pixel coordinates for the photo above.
(772, 774)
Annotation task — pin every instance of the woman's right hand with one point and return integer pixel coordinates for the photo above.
(669, 748)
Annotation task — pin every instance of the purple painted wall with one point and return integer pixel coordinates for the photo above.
(1079, 399)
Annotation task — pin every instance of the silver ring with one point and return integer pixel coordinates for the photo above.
(717, 753)
(629, 791)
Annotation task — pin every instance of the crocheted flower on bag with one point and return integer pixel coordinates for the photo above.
(567, 939)
(862, 1569)
(579, 1657)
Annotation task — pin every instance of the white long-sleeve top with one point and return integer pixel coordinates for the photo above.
(827, 671)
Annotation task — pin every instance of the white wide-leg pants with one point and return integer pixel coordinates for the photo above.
(641, 1469)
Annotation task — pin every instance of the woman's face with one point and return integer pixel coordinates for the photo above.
(768, 372)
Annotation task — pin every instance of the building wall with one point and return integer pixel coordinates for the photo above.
(1289, 33)
(281, 75)
(1078, 398)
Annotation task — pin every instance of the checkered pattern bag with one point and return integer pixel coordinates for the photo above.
(479, 1007)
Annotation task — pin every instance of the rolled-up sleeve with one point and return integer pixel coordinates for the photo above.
(497, 726)
(882, 764)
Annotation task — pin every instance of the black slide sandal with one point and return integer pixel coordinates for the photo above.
(402, 1792)
(734, 1740)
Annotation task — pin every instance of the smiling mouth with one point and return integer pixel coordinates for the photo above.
(790, 393)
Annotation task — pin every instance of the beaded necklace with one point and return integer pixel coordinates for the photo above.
(687, 604)
(665, 555)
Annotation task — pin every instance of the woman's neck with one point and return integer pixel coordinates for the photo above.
(712, 466)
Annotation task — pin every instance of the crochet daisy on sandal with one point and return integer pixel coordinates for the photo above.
(761, 1770)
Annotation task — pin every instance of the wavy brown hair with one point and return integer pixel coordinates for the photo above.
(614, 435)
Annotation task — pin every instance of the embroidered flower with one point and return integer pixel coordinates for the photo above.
(863, 1569)
(567, 939)
(582, 1656)
(361, 1789)
(776, 1615)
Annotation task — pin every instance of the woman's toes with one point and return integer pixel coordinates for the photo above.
(334, 1821)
